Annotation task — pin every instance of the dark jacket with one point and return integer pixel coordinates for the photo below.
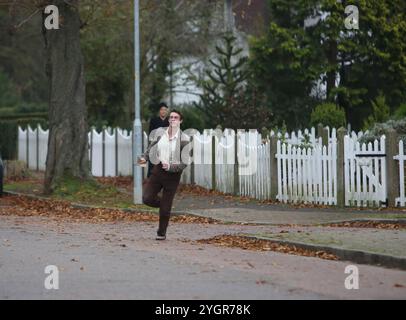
(177, 165)
(157, 122)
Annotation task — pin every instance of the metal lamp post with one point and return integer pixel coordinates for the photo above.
(137, 130)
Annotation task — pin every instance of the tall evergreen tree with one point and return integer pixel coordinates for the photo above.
(230, 98)
(309, 55)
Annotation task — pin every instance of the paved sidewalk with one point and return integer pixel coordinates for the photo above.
(231, 209)
(362, 245)
(388, 242)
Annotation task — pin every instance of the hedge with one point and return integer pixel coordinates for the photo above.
(9, 135)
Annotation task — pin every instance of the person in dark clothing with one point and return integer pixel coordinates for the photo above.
(167, 152)
(158, 122)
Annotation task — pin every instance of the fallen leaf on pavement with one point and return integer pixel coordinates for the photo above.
(246, 243)
(26, 206)
(367, 224)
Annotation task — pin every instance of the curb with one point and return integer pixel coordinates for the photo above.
(378, 220)
(88, 206)
(357, 256)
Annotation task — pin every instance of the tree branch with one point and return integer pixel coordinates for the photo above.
(27, 19)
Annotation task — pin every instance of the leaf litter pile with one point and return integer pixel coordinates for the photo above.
(247, 243)
(119, 182)
(183, 189)
(367, 224)
(26, 207)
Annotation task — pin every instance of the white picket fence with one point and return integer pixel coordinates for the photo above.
(304, 174)
(224, 162)
(253, 159)
(295, 138)
(365, 172)
(202, 154)
(254, 166)
(33, 147)
(307, 174)
(110, 151)
(401, 200)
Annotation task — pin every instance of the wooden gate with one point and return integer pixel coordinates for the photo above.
(365, 172)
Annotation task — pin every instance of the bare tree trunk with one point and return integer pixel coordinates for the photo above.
(68, 128)
(332, 59)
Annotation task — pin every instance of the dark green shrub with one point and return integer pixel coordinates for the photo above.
(400, 112)
(8, 140)
(380, 112)
(378, 129)
(329, 115)
(193, 118)
(9, 135)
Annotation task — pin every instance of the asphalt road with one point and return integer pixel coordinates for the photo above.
(123, 261)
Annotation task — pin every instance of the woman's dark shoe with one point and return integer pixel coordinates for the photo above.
(160, 237)
(163, 225)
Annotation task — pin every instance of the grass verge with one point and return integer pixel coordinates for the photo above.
(85, 192)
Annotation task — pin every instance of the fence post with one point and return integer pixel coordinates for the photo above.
(27, 148)
(192, 164)
(319, 130)
(37, 138)
(325, 136)
(103, 151)
(17, 155)
(116, 147)
(273, 166)
(341, 132)
(392, 167)
(213, 162)
(236, 166)
(91, 150)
